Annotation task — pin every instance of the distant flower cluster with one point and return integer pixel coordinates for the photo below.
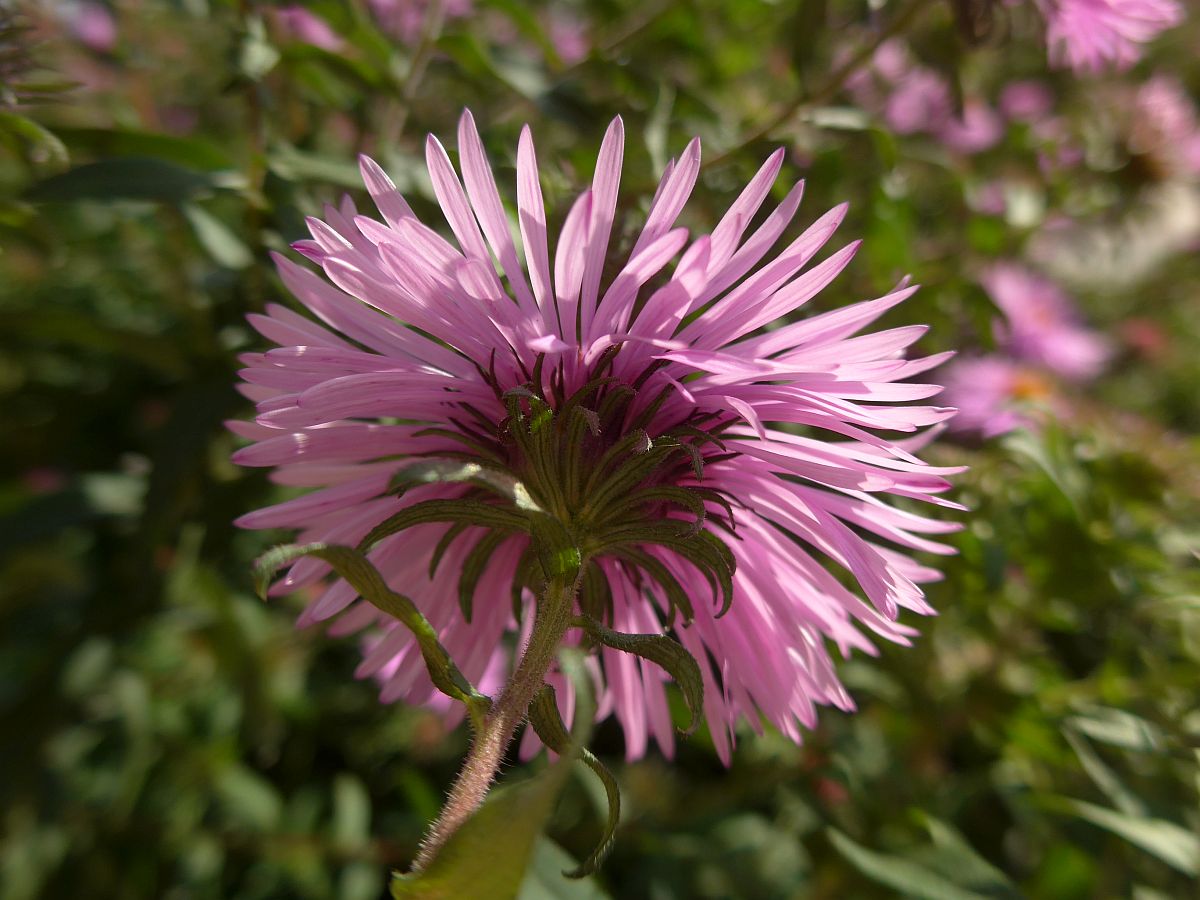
(1039, 339)
(913, 99)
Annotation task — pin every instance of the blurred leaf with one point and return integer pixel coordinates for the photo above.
(1104, 777)
(544, 880)
(1174, 845)
(296, 165)
(37, 144)
(351, 811)
(896, 872)
(130, 178)
(192, 152)
(958, 860)
(225, 247)
(78, 329)
(1119, 728)
(256, 56)
(248, 798)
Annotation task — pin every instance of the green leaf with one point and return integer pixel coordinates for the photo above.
(1176, 846)
(358, 571)
(39, 145)
(191, 152)
(1118, 728)
(544, 880)
(661, 650)
(1105, 778)
(295, 165)
(677, 597)
(225, 247)
(898, 873)
(546, 721)
(954, 857)
(473, 567)
(351, 825)
(472, 512)
(256, 56)
(130, 178)
(449, 472)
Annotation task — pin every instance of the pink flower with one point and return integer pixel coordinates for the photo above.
(419, 348)
(1090, 35)
(307, 27)
(920, 101)
(988, 391)
(405, 19)
(1164, 126)
(93, 26)
(1026, 101)
(1041, 325)
(978, 129)
(570, 39)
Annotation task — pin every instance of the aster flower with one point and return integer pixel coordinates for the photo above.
(405, 19)
(1164, 131)
(1090, 35)
(989, 393)
(1026, 101)
(978, 128)
(706, 466)
(304, 25)
(1041, 324)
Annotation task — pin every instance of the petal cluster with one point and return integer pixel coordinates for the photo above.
(413, 339)
(1091, 35)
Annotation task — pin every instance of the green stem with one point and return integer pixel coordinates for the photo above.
(492, 738)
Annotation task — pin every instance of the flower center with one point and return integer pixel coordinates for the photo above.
(604, 477)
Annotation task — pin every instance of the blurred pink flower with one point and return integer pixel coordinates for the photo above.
(1090, 35)
(1026, 101)
(979, 128)
(1165, 127)
(990, 198)
(1041, 324)
(987, 391)
(570, 39)
(408, 325)
(303, 25)
(404, 19)
(920, 101)
(93, 25)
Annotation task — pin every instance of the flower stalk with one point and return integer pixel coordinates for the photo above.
(492, 738)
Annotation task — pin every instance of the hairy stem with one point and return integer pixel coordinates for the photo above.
(491, 740)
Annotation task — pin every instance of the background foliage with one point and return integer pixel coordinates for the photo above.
(165, 734)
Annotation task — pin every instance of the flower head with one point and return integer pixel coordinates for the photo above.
(1164, 130)
(1041, 324)
(989, 393)
(405, 19)
(1090, 35)
(696, 455)
(304, 25)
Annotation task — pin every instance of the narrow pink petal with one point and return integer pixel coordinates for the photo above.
(481, 186)
(605, 183)
(387, 199)
(672, 194)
